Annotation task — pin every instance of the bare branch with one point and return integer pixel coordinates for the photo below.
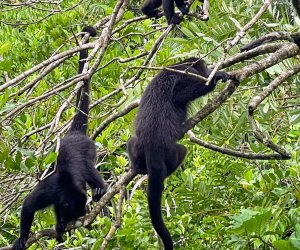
(45, 63)
(242, 32)
(256, 100)
(246, 155)
(118, 218)
(115, 116)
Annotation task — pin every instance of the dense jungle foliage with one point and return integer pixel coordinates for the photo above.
(215, 200)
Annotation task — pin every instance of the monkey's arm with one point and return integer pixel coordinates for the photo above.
(190, 89)
(172, 17)
(223, 76)
(274, 36)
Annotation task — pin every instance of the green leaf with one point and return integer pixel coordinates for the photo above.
(187, 32)
(236, 22)
(4, 48)
(122, 161)
(4, 98)
(50, 158)
(283, 245)
(29, 162)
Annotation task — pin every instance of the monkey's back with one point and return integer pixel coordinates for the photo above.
(76, 152)
(159, 119)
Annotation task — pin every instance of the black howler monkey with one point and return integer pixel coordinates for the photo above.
(65, 189)
(158, 126)
(150, 8)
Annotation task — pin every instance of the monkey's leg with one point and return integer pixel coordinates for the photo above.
(27, 214)
(172, 17)
(78, 211)
(175, 157)
(136, 156)
(41, 197)
(149, 8)
(189, 89)
(19, 244)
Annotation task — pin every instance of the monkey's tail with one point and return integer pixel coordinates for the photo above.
(156, 168)
(82, 102)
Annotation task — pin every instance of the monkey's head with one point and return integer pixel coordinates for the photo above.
(74, 207)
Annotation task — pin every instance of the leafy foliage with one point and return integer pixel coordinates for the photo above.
(214, 201)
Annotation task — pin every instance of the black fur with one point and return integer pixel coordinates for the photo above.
(158, 126)
(150, 8)
(66, 188)
(296, 4)
(275, 36)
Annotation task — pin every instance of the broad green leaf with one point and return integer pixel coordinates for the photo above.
(4, 48)
(50, 158)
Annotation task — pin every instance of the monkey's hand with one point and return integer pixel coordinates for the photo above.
(97, 193)
(184, 8)
(176, 19)
(223, 76)
(20, 243)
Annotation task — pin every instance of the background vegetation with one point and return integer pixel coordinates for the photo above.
(215, 201)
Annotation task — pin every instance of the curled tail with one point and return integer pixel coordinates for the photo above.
(156, 169)
(82, 101)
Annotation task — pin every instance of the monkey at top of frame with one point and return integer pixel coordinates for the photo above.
(65, 189)
(150, 8)
(158, 126)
